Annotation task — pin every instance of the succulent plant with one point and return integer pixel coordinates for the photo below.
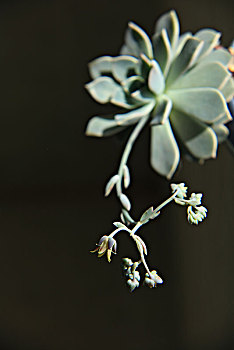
(179, 84)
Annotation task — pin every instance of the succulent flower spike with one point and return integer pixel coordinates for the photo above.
(107, 245)
(181, 83)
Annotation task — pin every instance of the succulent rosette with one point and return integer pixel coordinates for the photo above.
(180, 84)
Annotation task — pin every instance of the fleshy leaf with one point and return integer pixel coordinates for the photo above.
(143, 95)
(125, 201)
(206, 104)
(102, 89)
(138, 41)
(139, 240)
(132, 84)
(126, 176)
(133, 116)
(110, 184)
(146, 66)
(99, 66)
(185, 59)
(169, 21)
(210, 38)
(120, 99)
(182, 40)
(164, 150)
(221, 131)
(122, 65)
(162, 50)
(147, 215)
(156, 82)
(120, 225)
(228, 89)
(100, 127)
(211, 74)
(161, 111)
(218, 55)
(198, 138)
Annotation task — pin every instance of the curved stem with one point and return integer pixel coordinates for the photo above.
(128, 149)
(135, 228)
(166, 202)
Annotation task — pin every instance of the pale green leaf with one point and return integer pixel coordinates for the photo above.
(133, 116)
(125, 201)
(100, 127)
(164, 150)
(120, 225)
(145, 66)
(180, 44)
(206, 104)
(99, 66)
(170, 22)
(210, 74)
(102, 89)
(126, 176)
(120, 99)
(162, 50)
(143, 96)
(110, 184)
(127, 217)
(218, 55)
(161, 111)
(156, 82)
(138, 41)
(132, 84)
(197, 137)
(228, 89)
(210, 37)
(147, 215)
(184, 60)
(122, 65)
(141, 242)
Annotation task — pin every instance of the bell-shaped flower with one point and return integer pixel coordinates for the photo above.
(107, 245)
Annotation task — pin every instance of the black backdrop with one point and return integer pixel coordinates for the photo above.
(53, 293)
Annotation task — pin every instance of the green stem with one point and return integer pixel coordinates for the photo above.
(166, 202)
(135, 228)
(128, 149)
(139, 224)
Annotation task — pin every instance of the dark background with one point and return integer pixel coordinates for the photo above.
(54, 294)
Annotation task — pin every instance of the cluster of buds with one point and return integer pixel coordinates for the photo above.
(194, 217)
(196, 212)
(130, 272)
(152, 280)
